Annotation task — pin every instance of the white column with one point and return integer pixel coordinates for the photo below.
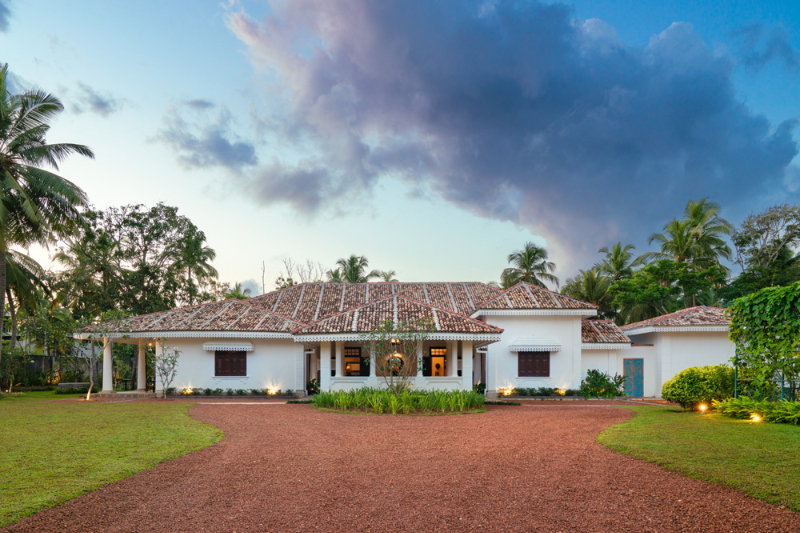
(452, 359)
(325, 365)
(373, 366)
(159, 352)
(141, 366)
(108, 368)
(478, 368)
(466, 364)
(339, 358)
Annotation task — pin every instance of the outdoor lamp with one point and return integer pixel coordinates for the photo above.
(703, 408)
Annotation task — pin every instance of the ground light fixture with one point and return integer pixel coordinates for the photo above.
(755, 417)
(703, 408)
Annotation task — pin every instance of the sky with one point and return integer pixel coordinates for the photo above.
(432, 137)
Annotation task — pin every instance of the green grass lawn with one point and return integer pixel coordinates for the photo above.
(51, 452)
(757, 458)
(36, 396)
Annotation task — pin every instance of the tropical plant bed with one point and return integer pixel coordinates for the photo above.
(378, 401)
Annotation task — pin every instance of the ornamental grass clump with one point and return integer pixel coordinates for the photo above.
(407, 402)
(782, 412)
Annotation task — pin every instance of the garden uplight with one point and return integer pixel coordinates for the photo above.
(755, 417)
(703, 408)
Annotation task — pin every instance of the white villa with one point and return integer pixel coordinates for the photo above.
(525, 336)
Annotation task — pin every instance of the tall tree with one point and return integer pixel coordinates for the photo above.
(24, 281)
(193, 258)
(618, 262)
(239, 292)
(708, 230)
(387, 276)
(354, 269)
(36, 205)
(530, 265)
(593, 287)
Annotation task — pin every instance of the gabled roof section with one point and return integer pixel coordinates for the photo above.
(399, 308)
(309, 302)
(693, 316)
(228, 315)
(602, 332)
(525, 296)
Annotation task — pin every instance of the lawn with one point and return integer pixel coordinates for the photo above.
(55, 451)
(36, 396)
(757, 458)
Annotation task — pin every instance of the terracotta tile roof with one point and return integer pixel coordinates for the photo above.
(692, 316)
(228, 315)
(527, 296)
(308, 302)
(369, 316)
(602, 332)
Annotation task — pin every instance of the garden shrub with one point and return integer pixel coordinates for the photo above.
(699, 384)
(82, 390)
(312, 387)
(601, 385)
(785, 412)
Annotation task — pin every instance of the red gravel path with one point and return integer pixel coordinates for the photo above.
(290, 468)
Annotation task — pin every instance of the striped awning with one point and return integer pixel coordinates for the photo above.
(228, 346)
(534, 344)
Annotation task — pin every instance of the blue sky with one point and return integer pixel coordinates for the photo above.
(432, 137)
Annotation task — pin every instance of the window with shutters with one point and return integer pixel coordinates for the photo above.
(230, 363)
(534, 364)
(354, 364)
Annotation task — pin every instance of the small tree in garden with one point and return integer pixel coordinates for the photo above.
(393, 348)
(167, 366)
(601, 385)
(765, 326)
(111, 324)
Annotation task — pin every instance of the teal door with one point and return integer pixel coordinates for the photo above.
(633, 370)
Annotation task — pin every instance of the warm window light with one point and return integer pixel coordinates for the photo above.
(703, 407)
(755, 417)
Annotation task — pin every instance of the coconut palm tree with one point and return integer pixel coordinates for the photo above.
(193, 259)
(708, 230)
(24, 279)
(676, 244)
(354, 269)
(530, 265)
(592, 286)
(388, 276)
(36, 205)
(618, 263)
(334, 275)
(239, 292)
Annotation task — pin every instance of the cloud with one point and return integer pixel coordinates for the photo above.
(759, 45)
(253, 285)
(89, 100)
(512, 110)
(211, 144)
(5, 15)
(199, 104)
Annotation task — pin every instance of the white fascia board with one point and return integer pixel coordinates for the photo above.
(185, 334)
(325, 337)
(534, 312)
(601, 346)
(675, 329)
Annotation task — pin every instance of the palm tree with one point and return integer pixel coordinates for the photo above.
(36, 205)
(677, 244)
(708, 230)
(530, 265)
(334, 275)
(238, 292)
(388, 276)
(618, 261)
(24, 278)
(354, 269)
(591, 286)
(194, 259)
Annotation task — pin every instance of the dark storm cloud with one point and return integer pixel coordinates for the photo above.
(5, 15)
(760, 45)
(92, 101)
(512, 110)
(214, 146)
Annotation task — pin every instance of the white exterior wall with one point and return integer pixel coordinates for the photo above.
(565, 364)
(273, 364)
(676, 351)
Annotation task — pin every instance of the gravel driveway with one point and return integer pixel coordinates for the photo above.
(289, 468)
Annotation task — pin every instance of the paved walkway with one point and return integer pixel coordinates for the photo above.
(289, 468)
